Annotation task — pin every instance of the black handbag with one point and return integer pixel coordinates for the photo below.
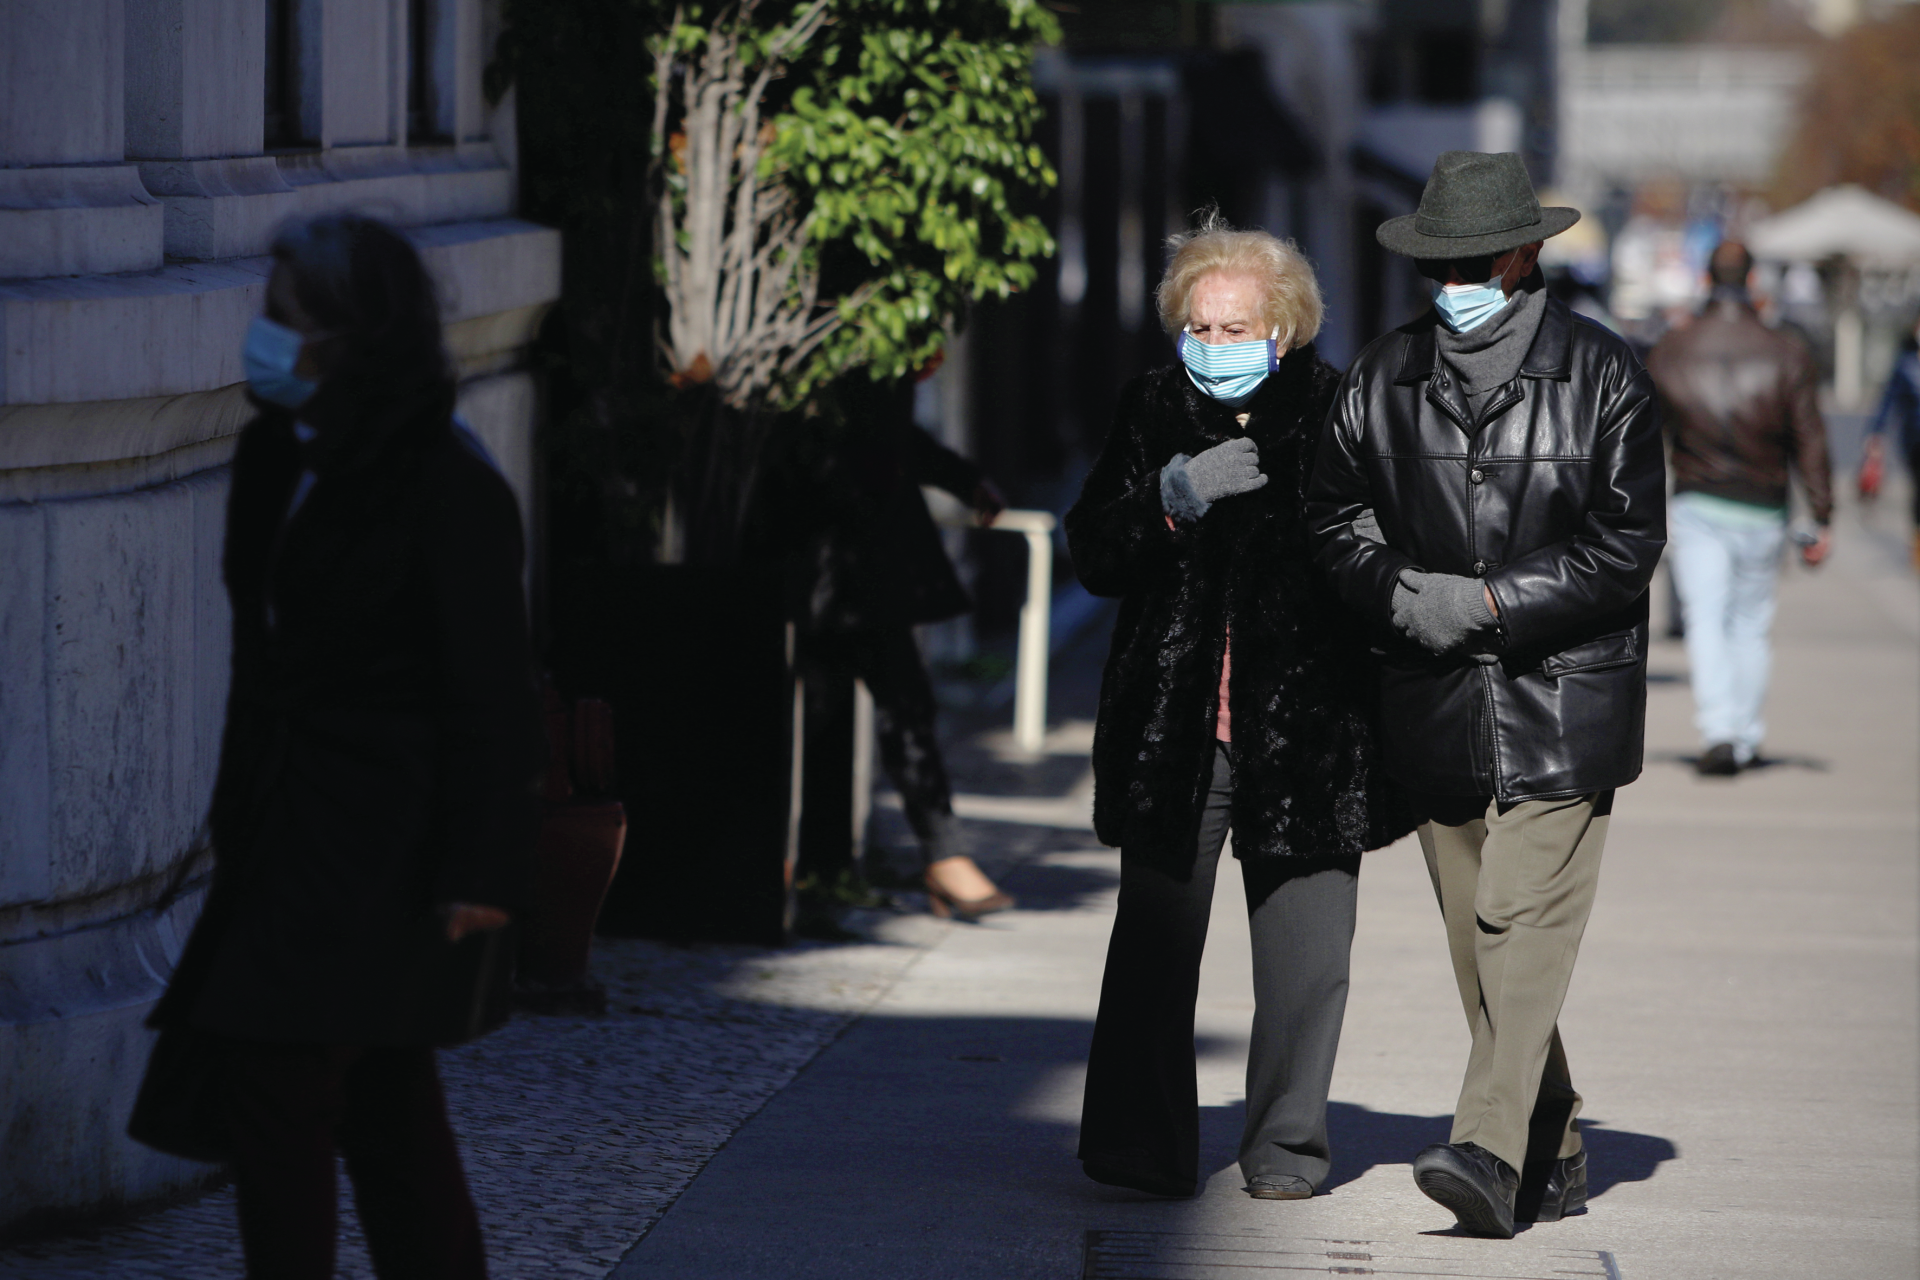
(181, 1106)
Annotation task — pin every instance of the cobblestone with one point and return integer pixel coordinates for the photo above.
(578, 1133)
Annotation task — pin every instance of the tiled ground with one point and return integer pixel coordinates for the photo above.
(578, 1132)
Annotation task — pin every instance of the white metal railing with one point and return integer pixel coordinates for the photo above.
(1030, 662)
(1030, 669)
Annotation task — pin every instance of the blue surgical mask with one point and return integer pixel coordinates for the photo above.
(1230, 373)
(271, 353)
(1468, 306)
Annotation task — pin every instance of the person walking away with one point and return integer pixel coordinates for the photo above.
(1899, 418)
(875, 569)
(1738, 403)
(1235, 696)
(1490, 496)
(376, 806)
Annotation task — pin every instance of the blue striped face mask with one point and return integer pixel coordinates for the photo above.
(1230, 373)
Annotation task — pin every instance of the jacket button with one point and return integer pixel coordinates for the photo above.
(1477, 476)
(1479, 568)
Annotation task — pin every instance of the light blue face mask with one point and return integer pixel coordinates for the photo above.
(270, 355)
(1468, 306)
(1229, 373)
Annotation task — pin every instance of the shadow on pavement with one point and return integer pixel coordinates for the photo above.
(1812, 764)
(1363, 1138)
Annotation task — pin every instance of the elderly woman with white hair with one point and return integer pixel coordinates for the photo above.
(1236, 696)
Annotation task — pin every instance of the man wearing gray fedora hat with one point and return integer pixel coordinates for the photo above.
(1490, 493)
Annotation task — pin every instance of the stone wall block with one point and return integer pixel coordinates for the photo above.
(220, 208)
(469, 61)
(212, 626)
(498, 409)
(77, 221)
(410, 187)
(72, 1008)
(194, 71)
(120, 673)
(180, 329)
(125, 337)
(25, 871)
(62, 82)
(489, 267)
(356, 51)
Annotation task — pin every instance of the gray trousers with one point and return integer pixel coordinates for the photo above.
(1516, 885)
(1142, 1105)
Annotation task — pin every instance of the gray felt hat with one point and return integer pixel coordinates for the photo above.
(1474, 204)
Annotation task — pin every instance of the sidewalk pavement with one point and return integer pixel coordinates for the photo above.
(1742, 1023)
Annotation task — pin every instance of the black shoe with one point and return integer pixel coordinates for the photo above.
(1552, 1189)
(1718, 761)
(1475, 1184)
(1114, 1175)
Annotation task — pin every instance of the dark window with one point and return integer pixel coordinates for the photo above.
(1436, 65)
(1447, 66)
(423, 120)
(283, 75)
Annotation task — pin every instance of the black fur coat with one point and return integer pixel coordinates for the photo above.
(1307, 782)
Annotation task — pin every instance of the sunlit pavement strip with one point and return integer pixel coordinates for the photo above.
(578, 1132)
(1253, 1255)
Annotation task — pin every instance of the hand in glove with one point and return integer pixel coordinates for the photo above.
(1189, 486)
(1440, 612)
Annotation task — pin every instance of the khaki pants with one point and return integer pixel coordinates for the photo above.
(1516, 885)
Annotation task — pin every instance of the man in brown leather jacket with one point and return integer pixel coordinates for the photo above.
(1738, 403)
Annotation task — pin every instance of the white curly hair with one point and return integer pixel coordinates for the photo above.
(1289, 292)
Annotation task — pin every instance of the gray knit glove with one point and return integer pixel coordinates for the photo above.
(1440, 612)
(1189, 486)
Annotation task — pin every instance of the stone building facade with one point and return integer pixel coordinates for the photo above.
(148, 151)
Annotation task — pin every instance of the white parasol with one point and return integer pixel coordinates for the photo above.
(1844, 221)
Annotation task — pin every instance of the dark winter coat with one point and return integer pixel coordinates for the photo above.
(872, 556)
(381, 744)
(1305, 780)
(1556, 498)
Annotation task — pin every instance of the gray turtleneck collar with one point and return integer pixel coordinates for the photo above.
(1489, 356)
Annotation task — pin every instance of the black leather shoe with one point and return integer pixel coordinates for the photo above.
(1552, 1189)
(1113, 1175)
(1476, 1185)
(1718, 761)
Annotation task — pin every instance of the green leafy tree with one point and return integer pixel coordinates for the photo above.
(839, 179)
(835, 182)
(760, 197)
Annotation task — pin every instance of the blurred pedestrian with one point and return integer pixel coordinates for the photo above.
(1898, 418)
(1491, 496)
(874, 570)
(1235, 698)
(1738, 402)
(375, 810)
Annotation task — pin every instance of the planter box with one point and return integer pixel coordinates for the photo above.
(697, 663)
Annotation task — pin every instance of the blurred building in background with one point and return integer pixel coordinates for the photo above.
(148, 151)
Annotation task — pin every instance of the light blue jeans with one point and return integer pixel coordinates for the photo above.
(1725, 559)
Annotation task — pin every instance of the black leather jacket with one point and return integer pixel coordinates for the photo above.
(1556, 499)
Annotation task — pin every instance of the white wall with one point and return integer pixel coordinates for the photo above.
(135, 209)
(1633, 112)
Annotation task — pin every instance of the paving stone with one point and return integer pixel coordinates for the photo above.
(577, 1132)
